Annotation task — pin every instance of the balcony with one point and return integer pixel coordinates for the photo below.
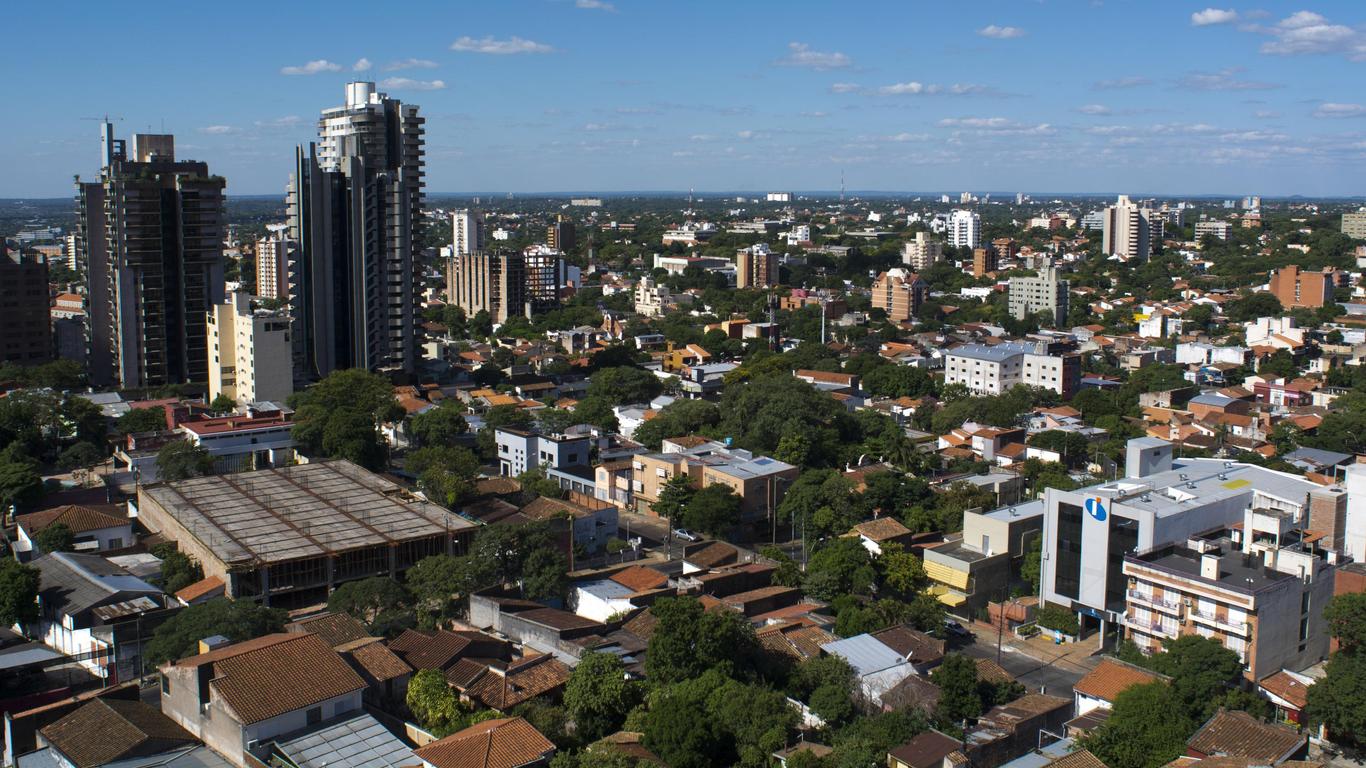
(1210, 619)
(1170, 606)
(1149, 627)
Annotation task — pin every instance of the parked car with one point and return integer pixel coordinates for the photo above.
(956, 631)
(685, 534)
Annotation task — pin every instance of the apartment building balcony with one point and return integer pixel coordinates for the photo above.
(1168, 606)
(1149, 627)
(1210, 619)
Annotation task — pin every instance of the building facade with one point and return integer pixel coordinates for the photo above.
(24, 310)
(1045, 293)
(505, 284)
(1127, 230)
(150, 249)
(1302, 289)
(900, 293)
(983, 261)
(560, 235)
(922, 252)
(1160, 502)
(1354, 225)
(249, 352)
(1218, 229)
(467, 231)
(994, 369)
(756, 267)
(274, 254)
(353, 206)
(965, 229)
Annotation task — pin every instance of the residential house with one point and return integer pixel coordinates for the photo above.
(1111, 677)
(1236, 734)
(120, 733)
(238, 698)
(877, 667)
(508, 742)
(759, 481)
(929, 749)
(93, 530)
(873, 534)
(98, 613)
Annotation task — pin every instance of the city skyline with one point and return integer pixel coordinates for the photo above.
(560, 95)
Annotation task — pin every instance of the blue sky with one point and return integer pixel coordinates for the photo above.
(558, 95)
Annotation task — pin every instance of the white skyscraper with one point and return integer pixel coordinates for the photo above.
(1127, 230)
(965, 229)
(467, 231)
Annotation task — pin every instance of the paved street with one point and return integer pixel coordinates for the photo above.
(1035, 664)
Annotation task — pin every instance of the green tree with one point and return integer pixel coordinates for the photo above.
(379, 602)
(142, 420)
(20, 483)
(182, 460)
(598, 695)
(18, 592)
(624, 384)
(439, 581)
(899, 572)
(1148, 727)
(841, 567)
(959, 696)
(714, 510)
(434, 704)
(340, 416)
(1338, 699)
(80, 456)
(1202, 670)
(688, 641)
(826, 684)
(544, 574)
(673, 499)
(789, 574)
(56, 538)
(446, 474)
(441, 425)
(178, 570)
(1346, 617)
(222, 404)
(1031, 565)
(236, 620)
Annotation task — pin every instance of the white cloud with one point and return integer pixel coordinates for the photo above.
(815, 114)
(845, 88)
(1211, 16)
(904, 136)
(1334, 109)
(362, 65)
(1094, 109)
(1265, 114)
(288, 121)
(394, 66)
(975, 122)
(311, 68)
(914, 88)
(1306, 32)
(409, 84)
(512, 45)
(801, 55)
(897, 89)
(1132, 81)
(1001, 33)
(217, 130)
(595, 5)
(1223, 80)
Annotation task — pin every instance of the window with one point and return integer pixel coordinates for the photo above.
(1067, 571)
(165, 685)
(314, 715)
(116, 543)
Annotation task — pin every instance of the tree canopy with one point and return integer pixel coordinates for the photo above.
(236, 620)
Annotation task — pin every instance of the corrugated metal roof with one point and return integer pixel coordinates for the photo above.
(360, 741)
(865, 653)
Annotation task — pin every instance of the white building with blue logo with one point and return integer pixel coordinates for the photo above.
(1161, 501)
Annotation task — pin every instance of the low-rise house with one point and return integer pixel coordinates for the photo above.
(873, 534)
(93, 530)
(508, 742)
(97, 613)
(759, 481)
(238, 698)
(118, 732)
(1239, 735)
(929, 749)
(1288, 692)
(877, 668)
(259, 439)
(922, 651)
(591, 526)
(621, 592)
(1009, 730)
(797, 640)
(503, 685)
(977, 566)
(440, 648)
(1111, 677)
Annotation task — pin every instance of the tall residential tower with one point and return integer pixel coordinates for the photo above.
(149, 244)
(353, 206)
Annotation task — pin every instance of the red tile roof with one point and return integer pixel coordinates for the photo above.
(202, 588)
(1111, 677)
(296, 672)
(106, 730)
(509, 742)
(1238, 734)
(78, 518)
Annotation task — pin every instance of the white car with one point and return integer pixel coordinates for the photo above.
(685, 534)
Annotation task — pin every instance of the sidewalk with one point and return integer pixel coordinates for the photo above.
(1080, 656)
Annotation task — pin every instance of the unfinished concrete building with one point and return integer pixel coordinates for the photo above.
(289, 536)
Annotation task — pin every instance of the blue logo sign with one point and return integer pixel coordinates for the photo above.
(1095, 509)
